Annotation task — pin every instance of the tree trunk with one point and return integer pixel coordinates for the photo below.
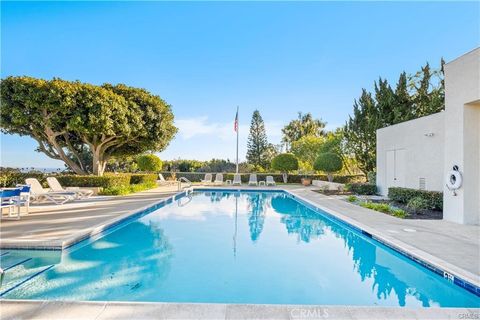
(52, 138)
(330, 177)
(99, 163)
(285, 177)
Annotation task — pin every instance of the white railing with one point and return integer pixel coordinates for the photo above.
(183, 179)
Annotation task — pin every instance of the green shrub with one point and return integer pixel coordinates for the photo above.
(10, 177)
(352, 198)
(143, 178)
(149, 163)
(115, 191)
(285, 162)
(106, 181)
(434, 199)
(124, 190)
(417, 204)
(372, 177)
(328, 162)
(385, 208)
(362, 188)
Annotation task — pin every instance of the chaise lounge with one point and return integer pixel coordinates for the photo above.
(39, 194)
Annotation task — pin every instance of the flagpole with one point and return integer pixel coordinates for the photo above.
(238, 129)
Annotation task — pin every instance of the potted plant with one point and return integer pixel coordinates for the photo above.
(306, 181)
(285, 162)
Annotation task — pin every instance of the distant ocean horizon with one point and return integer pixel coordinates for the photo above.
(41, 169)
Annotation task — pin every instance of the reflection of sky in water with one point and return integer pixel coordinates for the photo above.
(241, 248)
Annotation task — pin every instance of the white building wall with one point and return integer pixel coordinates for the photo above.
(462, 137)
(416, 149)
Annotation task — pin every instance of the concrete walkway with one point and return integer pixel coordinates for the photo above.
(53, 226)
(58, 310)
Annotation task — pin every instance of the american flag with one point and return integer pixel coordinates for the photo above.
(235, 124)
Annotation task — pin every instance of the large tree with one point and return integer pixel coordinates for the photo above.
(306, 149)
(402, 104)
(416, 96)
(257, 144)
(360, 132)
(304, 125)
(427, 91)
(82, 124)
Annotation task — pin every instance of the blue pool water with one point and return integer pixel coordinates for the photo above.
(232, 247)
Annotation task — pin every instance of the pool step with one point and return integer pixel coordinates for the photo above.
(17, 271)
(8, 261)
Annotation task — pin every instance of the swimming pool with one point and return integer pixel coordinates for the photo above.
(233, 247)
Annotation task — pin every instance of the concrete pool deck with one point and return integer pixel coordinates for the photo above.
(59, 310)
(56, 226)
(452, 246)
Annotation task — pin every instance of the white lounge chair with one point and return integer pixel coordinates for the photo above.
(162, 182)
(55, 186)
(237, 179)
(218, 179)
(269, 181)
(208, 178)
(252, 181)
(38, 193)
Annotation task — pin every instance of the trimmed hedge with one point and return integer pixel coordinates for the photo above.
(143, 178)
(9, 178)
(404, 195)
(106, 181)
(292, 178)
(362, 188)
(124, 190)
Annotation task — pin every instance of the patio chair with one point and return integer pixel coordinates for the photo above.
(237, 179)
(55, 186)
(218, 179)
(39, 194)
(10, 199)
(162, 182)
(208, 178)
(252, 181)
(24, 196)
(269, 181)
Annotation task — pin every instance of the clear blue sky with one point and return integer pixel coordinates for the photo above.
(207, 58)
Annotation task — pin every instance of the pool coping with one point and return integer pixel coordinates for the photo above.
(101, 310)
(457, 275)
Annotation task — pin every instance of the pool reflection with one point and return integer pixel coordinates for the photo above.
(249, 247)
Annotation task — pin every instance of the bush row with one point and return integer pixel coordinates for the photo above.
(292, 178)
(106, 181)
(362, 188)
(124, 190)
(434, 199)
(10, 177)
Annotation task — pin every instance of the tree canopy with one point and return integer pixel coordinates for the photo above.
(304, 125)
(285, 162)
(328, 162)
(83, 124)
(149, 162)
(416, 96)
(306, 149)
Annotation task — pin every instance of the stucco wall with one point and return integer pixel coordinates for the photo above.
(462, 136)
(423, 142)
